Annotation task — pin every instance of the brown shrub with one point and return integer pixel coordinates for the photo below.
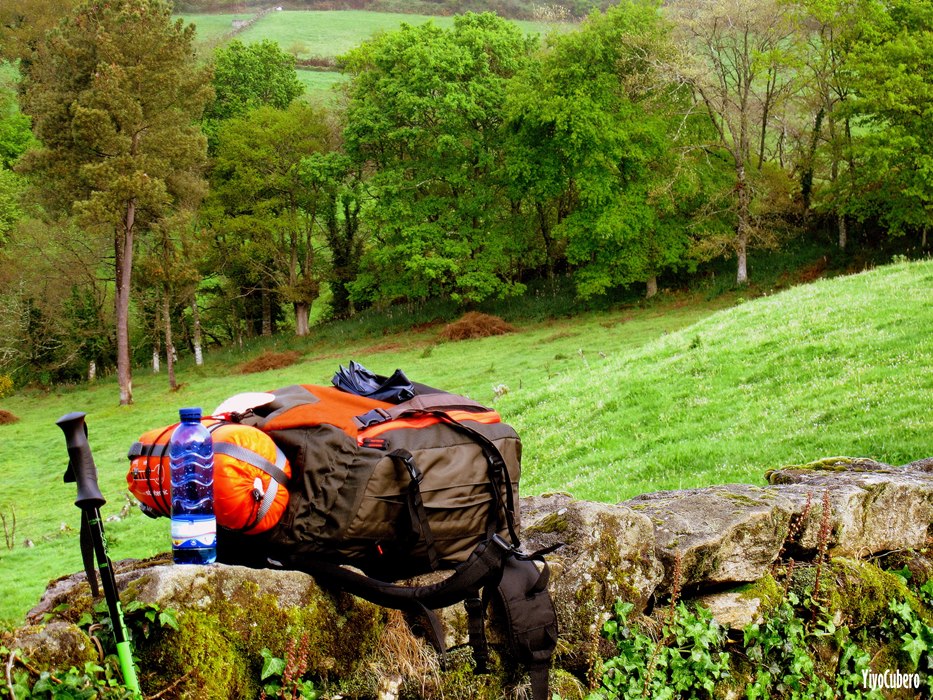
(7, 418)
(270, 360)
(475, 325)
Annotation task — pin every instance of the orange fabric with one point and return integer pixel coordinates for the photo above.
(234, 479)
(424, 421)
(336, 407)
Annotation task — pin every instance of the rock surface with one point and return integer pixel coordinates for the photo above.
(702, 543)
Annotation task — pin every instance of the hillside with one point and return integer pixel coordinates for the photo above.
(670, 394)
(840, 366)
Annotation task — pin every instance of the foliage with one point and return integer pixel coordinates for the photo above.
(11, 187)
(780, 650)
(425, 111)
(88, 683)
(282, 678)
(262, 213)
(23, 24)
(914, 634)
(686, 660)
(247, 76)
(114, 95)
(741, 66)
(797, 652)
(15, 131)
(893, 102)
(598, 148)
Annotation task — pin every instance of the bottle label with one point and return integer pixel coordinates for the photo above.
(194, 534)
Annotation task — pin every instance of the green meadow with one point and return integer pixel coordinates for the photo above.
(675, 393)
(324, 34)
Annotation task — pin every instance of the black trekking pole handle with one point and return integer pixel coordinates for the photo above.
(81, 467)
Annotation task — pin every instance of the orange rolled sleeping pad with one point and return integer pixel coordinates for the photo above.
(250, 476)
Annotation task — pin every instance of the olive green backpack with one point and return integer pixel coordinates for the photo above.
(397, 490)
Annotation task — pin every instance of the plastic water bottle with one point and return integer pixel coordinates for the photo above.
(194, 527)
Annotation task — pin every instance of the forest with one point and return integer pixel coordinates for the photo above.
(158, 198)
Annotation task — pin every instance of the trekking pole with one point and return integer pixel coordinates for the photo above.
(81, 469)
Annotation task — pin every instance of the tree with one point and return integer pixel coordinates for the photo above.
(425, 117)
(741, 72)
(337, 183)
(263, 210)
(892, 65)
(115, 94)
(15, 138)
(15, 129)
(832, 29)
(247, 76)
(23, 24)
(597, 127)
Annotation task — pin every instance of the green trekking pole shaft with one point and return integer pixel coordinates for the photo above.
(82, 470)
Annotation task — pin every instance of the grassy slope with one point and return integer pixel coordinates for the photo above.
(609, 405)
(838, 367)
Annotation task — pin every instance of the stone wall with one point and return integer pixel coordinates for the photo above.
(706, 544)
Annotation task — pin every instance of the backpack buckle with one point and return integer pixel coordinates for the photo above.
(503, 544)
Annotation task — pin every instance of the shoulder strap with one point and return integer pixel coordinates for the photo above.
(482, 568)
(530, 617)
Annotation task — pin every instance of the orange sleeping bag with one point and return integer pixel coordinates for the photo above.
(250, 474)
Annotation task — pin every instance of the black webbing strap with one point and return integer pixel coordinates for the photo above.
(484, 566)
(418, 517)
(87, 553)
(476, 627)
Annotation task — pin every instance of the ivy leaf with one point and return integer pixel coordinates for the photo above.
(169, 618)
(271, 666)
(914, 646)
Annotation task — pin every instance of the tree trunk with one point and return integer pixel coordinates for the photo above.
(196, 317)
(742, 229)
(123, 263)
(302, 310)
(652, 287)
(843, 232)
(157, 343)
(806, 176)
(266, 314)
(92, 371)
(169, 347)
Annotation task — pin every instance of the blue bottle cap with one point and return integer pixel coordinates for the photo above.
(190, 414)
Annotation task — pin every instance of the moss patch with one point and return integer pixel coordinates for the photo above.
(554, 523)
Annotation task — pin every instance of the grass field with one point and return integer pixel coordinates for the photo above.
(324, 34)
(319, 84)
(676, 393)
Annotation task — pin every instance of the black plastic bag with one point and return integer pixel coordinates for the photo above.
(360, 381)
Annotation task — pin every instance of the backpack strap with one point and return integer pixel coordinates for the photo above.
(531, 620)
(498, 474)
(484, 566)
(417, 516)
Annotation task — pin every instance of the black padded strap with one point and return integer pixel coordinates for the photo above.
(530, 617)
(498, 473)
(484, 564)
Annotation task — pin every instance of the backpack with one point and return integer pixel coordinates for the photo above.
(397, 490)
